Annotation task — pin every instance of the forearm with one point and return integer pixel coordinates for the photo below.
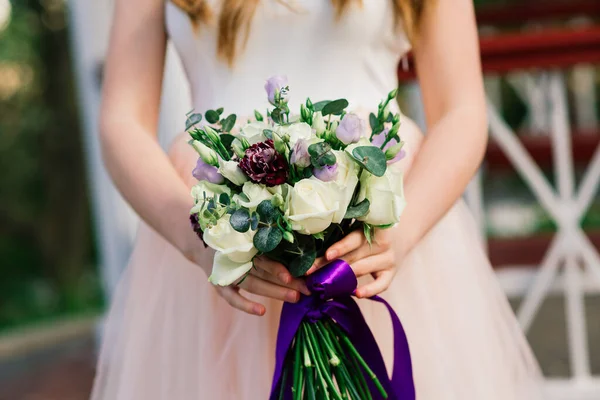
(147, 179)
(449, 156)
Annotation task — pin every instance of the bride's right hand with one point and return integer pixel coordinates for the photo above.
(267, 278)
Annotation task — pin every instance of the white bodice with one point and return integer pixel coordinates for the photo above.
(354, 57)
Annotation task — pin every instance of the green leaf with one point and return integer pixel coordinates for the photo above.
(212, 116)
(302, 262)
(258, 116)
(254, 221)
(267, 238)
(224, 199)
(267, 212)
(220, 110)
(373, 121)
(192, 120)
(319, 106)
(277, 115)
(268, 133)
(358, 210)
(240, 220)
(319, 236)
(226, 139)
(228, 123)
(335, 107)
(195, 135)
(321, 154)
(368, 231)
(371, 158)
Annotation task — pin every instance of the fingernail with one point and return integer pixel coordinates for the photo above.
(292, 297)
(304, 290)
(258, 310)
(284, 277)
(332, 254)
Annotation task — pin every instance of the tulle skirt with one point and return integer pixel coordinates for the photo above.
(169, 336)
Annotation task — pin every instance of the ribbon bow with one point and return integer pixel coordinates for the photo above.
(332, 287)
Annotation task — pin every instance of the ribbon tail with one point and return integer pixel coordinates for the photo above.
(402, 375)
(291, 317)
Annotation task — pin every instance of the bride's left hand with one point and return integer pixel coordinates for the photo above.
(378, 259)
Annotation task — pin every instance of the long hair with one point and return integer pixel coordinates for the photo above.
(236, 16)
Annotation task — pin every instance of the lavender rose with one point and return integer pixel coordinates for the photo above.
(351, 129)
(300, 156)
(378, 141)
(264, 165)
(327, 173)
(277, 89)
(206, 172)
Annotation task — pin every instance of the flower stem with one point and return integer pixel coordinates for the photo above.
(297, 384)
(366, 367)
(321, 368)
(283, 382)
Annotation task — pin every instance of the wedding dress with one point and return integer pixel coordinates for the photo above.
(169, 336)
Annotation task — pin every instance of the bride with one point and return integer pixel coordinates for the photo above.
(170, 334)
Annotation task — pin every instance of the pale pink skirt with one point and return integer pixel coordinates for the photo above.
(169, 336)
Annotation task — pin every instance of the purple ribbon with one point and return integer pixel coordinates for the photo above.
(332, 287)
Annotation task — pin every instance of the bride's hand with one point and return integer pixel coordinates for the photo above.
(268, 278)
(378, 259)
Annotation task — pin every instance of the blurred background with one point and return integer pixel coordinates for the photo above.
(65, 234)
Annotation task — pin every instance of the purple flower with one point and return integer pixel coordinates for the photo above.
(206, 172)
(380, 138)
(351, 129)
(277, 89)
(263, 164)
(327, 173)
(300, 156)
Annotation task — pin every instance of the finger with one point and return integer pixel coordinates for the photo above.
(236, 300)
(261, 287)
(349, 243)
(382, 281)
(374, 263)
(296, 284)
(319, 262)
(274, 268)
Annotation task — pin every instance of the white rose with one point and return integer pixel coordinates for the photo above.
(318, 123)
(346, 181)
(295, 132)
(230, 170)
(205, 189)
(255, 193)
(235, 251)
(253, 132)
(312, 205)
(386, 196)
(225, 272)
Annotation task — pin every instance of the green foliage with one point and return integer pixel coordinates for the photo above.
(358, 210)
(267, 238)
(211, 116)
(371, 158)
(335, 107)
(321, 154)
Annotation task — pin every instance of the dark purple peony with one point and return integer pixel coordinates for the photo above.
(264, 165)
(196, 227)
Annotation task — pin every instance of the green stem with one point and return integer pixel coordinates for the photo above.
(309, 393)
(283, 382)
(297, 368)
(318, 358)
(366, 367)
(357, 375)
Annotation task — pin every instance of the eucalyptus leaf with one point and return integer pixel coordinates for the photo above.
(373, 122)
(254, 221)
(227, 140)
(192, 120)
(240, 220)
(277, 116)
(371, 158)
(228, 123)
(224, 199)
(267, 238)
(267, 212)
(219, 110)
(358, 210)
(319, 106)
(304, 255)
(335, 107)
(321, 154)
(268, 133)
(212, 116)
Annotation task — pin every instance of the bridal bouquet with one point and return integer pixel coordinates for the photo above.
(288, 186)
